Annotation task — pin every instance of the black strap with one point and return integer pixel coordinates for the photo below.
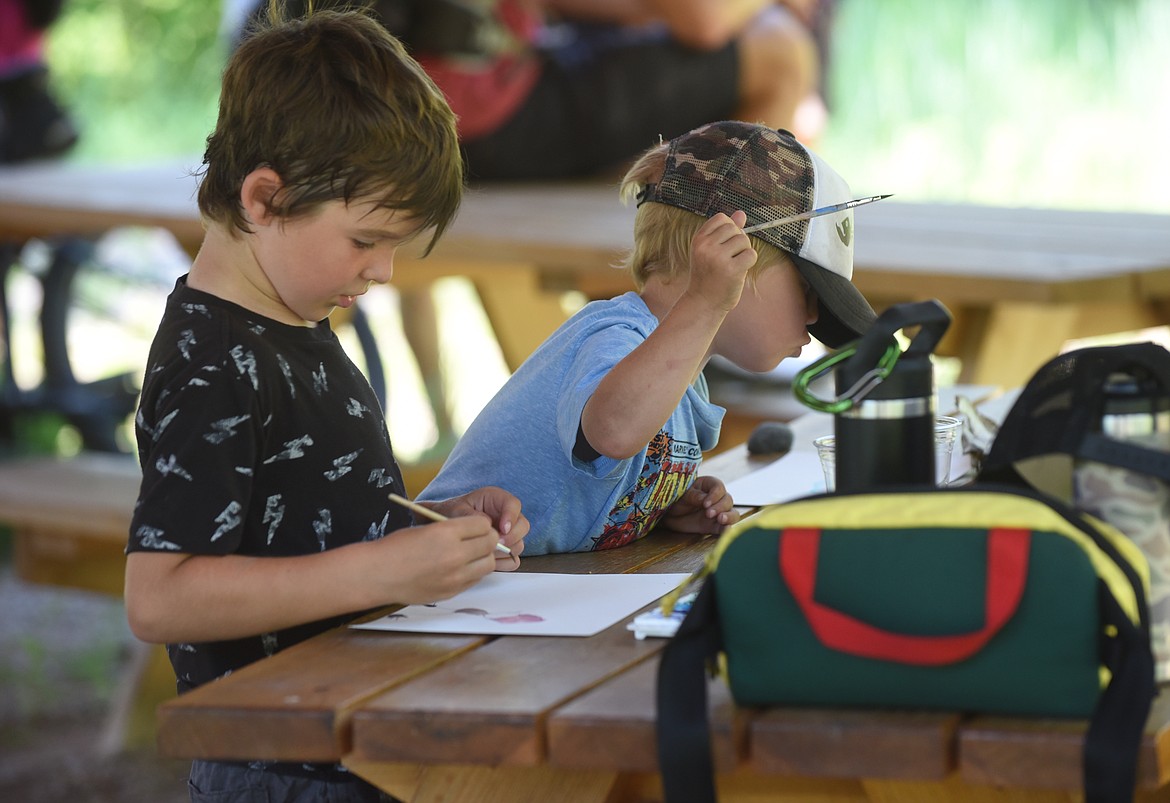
(1135, 457)
(1114, 738)
(684, 734)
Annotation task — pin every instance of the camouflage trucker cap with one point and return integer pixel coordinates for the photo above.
(729, 165)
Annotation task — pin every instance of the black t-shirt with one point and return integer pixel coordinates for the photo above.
(256, 438)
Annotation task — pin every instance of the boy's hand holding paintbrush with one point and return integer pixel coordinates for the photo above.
(508, 521)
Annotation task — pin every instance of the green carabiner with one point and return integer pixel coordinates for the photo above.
(860, 388)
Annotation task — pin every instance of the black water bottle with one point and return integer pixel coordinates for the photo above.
(886, 437)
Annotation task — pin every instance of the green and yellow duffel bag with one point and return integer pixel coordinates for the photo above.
(982, 599)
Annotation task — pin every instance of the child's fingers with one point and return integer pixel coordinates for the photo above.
(507, 563)
(712, 487)
(719, 504)
(503, 507)
(722, 228)
(468, 538)
(729, 517)
(724, 246)
(692, 500)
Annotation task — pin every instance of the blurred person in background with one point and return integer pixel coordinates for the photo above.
(553, 89)
(571, 88)
(32, 124)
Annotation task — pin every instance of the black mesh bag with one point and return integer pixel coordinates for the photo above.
(1061, 409)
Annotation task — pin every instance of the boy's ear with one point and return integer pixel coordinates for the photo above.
(257, 194)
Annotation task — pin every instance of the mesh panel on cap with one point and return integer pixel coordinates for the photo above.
(727, 166)
(731, 165)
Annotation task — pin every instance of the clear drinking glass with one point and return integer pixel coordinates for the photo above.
(946, 432)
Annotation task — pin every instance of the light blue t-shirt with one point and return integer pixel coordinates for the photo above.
(523, 440)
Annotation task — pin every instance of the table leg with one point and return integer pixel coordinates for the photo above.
(146, 683)
(1021, 336)
(521, 312)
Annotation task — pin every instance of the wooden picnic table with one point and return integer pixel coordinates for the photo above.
(530, 718)
(1019, 281)
(542, 718)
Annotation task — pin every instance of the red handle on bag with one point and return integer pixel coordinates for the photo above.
(1007, 571)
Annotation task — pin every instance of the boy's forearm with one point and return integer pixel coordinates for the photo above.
(619, 12)
(214, 598)
(707, 24)
(641, 392)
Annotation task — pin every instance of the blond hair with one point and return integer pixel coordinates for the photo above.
(663, 233)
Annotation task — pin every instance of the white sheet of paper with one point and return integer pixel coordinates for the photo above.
(534, 604)
(792, 476)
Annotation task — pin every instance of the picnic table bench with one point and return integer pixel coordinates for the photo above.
(69, 520)
(1019, 281)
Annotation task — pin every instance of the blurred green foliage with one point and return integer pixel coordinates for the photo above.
(141, 76)
(1017, 102)
(1026, 102)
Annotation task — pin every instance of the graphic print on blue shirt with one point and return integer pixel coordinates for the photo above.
(669, 470)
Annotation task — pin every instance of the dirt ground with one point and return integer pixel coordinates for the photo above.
(61, 654)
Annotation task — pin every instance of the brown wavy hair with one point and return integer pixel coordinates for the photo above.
(334, 104)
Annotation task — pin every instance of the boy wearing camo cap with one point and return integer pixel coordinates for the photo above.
(600, 433)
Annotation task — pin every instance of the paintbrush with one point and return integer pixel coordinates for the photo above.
(824, 210)
(433, 516)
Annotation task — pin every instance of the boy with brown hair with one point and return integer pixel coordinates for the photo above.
(601, 431)
(263, 516)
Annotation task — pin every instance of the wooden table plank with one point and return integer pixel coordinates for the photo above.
(295, 705)
(465, 783)
(834, 743)
(490, 705)
(263, 712)
(813, 743)
(645, 554)
(1045, 753)
(64, 198)
(613, 726)
(1144, 238)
